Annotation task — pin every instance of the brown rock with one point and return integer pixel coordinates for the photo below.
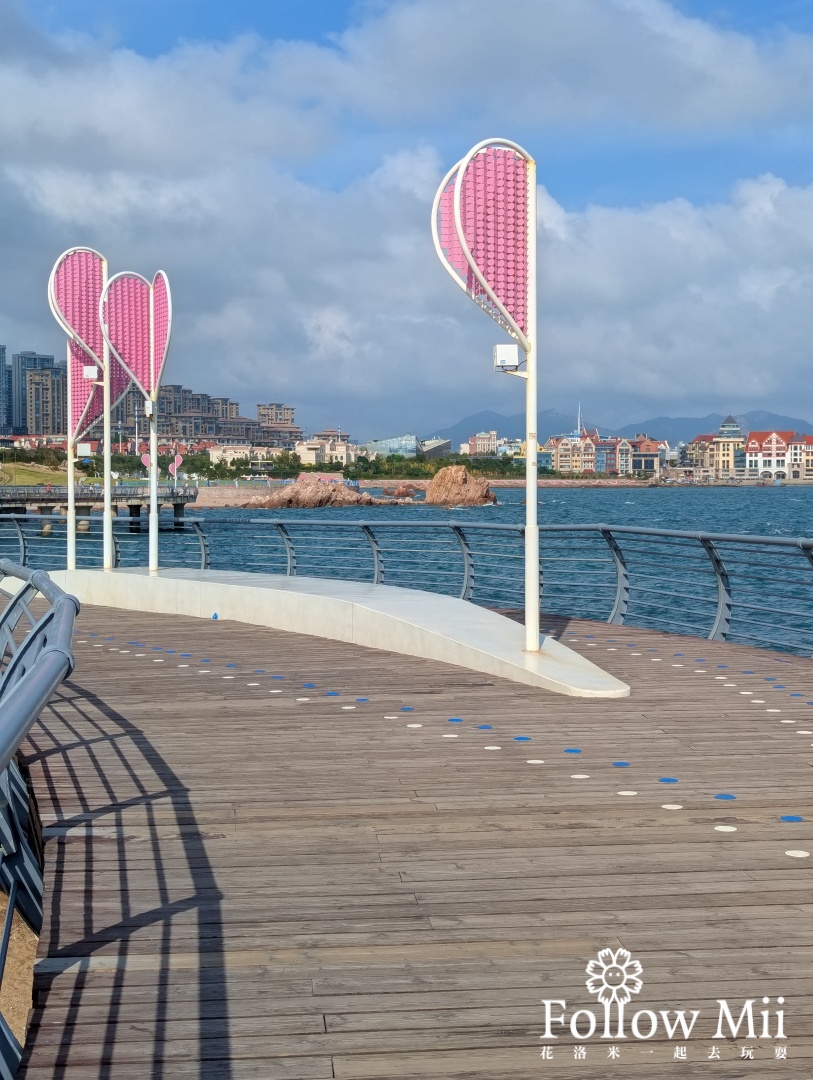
(309, 493)
(455, 486)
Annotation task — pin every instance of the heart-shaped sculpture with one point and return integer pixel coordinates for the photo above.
(74, 291)
(173, 465)
(482, 232)
(145, 460)
(136, 318)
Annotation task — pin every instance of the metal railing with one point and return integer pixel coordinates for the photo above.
(11, 495)
(723, 586)
(36, 657)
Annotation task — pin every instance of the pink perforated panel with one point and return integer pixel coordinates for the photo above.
(494, 217)
(161, 319)
(127, 314)
(78, 283)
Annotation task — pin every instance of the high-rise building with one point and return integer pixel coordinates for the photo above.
(275, 413)
(21, 364)
(5, 393)
(47, 401)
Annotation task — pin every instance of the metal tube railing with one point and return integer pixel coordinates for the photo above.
(36, 657)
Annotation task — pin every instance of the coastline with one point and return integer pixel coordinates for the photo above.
(229, 496)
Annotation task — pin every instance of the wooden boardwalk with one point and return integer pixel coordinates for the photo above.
(271, 856)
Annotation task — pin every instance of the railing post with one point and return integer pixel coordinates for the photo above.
(23, 542)
(290, 551)
(378, 561)
(468, 564)
(722, 621)
(203, 541)
(622, 591)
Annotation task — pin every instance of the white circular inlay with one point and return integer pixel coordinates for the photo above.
(492, 748)
(627, 792)
(303, 699)
(671, 806)
(725, 828)
(414, 725)
(348, 706)
(535, 761)
(449, 736)
(390, 717)
(785, 721)
(579, 776)
(252, 684)
(798, 854)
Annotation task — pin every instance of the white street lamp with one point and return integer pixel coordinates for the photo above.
(484, 230)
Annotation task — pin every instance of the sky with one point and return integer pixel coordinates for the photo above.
(279, 161)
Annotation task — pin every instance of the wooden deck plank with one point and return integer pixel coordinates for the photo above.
(244, 885)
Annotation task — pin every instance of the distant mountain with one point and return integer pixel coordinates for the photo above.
(550, 422)
(674, 429)
(677, 429)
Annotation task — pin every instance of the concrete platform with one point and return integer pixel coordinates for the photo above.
(405, 621)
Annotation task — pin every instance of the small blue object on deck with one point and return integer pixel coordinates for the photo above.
(331, 693)
(621, 764)
(455, 720)
(362, 699)
(308, 685)
(407, 708)
(205, 661)
(215, 615)
(725, 797)
(231, 665)
(277, 676)
(522, 738)
(791, 817)
(572, 751)
(668, 780)
(484, 727)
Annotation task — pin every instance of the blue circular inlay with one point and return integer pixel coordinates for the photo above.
(308, 685)
(791, 817)
(157, 648)
(621, 764)
(170, 650)
(259, 671)
(277, 676)
(668, 780)
(362, 699)
(769, 678)
(777, 686)
(407, 708)
(522, 738)
(726, 797)
(231, 665)
(572, 751)
(795, 695)
(332, 693)
(748, 673)
(454, 720)
(484, 727)
(205, 661)
(722, 665)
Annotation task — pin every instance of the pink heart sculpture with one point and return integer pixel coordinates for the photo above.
(136, 319)
(173, 467)
(74, 290)
(493, 194)
(145, 460)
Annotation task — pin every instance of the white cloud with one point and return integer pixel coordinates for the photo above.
(333, 297)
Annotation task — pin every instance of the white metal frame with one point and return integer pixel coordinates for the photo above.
(528, 343)
(75, 427)
(150, 396)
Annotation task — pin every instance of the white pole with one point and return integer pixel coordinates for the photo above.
(153, 562)
(531, 489)
(107, 515)
(70, 522)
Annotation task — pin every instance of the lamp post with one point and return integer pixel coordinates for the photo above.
(136, 320)
(484, 231)
(74, 289)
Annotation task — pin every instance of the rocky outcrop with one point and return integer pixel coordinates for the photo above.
(455, 486)
(309, 492)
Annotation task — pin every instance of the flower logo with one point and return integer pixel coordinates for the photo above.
(614, 977)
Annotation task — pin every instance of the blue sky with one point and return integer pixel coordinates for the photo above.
(279, 160)
(612, 167)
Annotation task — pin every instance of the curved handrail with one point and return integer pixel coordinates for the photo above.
(34, 663)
